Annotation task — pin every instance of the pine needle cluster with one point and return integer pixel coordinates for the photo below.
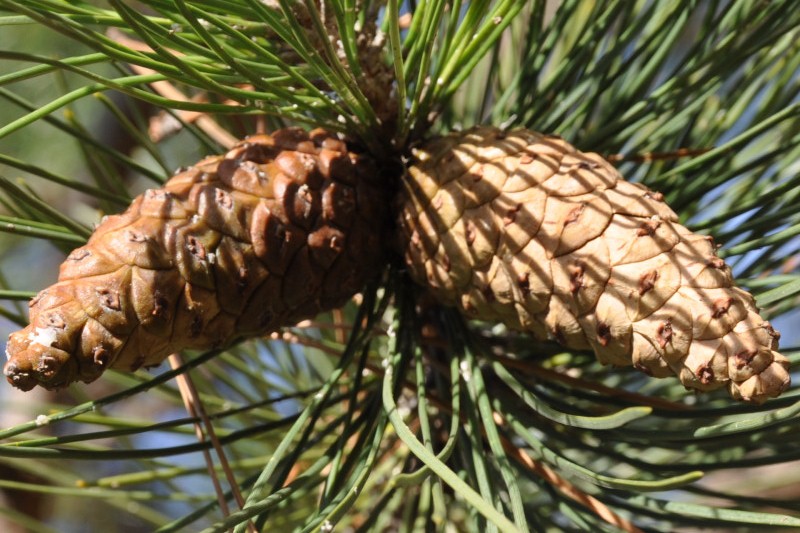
(395, 413)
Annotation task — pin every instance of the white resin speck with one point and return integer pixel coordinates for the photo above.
(43, 336)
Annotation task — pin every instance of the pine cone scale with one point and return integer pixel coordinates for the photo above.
(235, 246)
(554, 242)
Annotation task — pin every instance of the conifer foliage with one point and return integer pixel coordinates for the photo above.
(401, 263)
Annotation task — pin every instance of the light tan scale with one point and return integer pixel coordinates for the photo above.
(553, 241)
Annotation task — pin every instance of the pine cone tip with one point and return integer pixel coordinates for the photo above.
(769, 382)
(33, 361)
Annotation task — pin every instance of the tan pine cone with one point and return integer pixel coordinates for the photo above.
(279, 229)
(524, 229)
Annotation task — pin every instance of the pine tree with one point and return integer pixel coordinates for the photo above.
(402, 409)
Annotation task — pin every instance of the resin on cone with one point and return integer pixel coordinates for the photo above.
(524, 229)
(277, 230)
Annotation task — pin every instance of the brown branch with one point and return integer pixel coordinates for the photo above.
(551, 375)
(194, 406)
(645, 157)
(564, 486)
(159, 128)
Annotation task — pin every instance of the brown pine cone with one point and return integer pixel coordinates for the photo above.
(524, 229)
(277, 230)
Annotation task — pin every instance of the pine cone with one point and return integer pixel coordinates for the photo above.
(279, 229)
(524, 229)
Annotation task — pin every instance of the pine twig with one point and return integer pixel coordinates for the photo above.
(645, 157)
(195, 409)
(550, 376)
(564, 486)
(168, 90)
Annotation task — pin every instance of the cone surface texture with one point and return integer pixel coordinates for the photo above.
(277, 230)
(524, 229)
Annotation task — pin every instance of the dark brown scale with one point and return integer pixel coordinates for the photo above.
(280, 228)
(603, 333)
(706, 374)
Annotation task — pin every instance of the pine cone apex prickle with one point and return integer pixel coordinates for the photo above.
(279, 229)
(522, 228)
